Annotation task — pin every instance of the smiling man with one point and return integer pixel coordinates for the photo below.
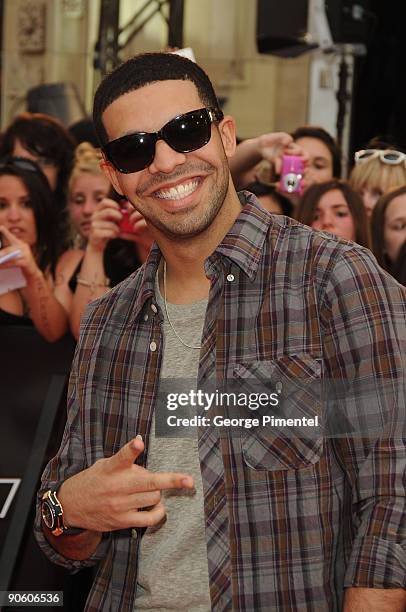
(223, 520)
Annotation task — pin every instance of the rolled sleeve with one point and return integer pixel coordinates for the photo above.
(69, 460)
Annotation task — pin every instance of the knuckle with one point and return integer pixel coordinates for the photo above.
(113, 505)
(156, 497)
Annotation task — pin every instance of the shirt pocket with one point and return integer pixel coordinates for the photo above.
(298, 444)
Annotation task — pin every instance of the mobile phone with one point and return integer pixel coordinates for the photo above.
(291, 180)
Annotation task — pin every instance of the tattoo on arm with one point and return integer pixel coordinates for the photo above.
(43, 299)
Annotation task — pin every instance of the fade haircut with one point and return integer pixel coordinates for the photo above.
(145, 69)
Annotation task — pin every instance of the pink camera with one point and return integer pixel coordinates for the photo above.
(292, 174)
(126, 227)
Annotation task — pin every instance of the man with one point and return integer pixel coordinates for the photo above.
(223, 520)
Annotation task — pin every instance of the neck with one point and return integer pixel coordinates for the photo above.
(186, 280)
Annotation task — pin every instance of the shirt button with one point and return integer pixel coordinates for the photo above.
(134, 534)
(154, 308)
(230, 277)
(152, 346)
(146, 317)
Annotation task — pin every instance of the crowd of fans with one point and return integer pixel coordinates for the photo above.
(77, 238)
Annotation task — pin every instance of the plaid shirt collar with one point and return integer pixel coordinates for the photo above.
(243, 245)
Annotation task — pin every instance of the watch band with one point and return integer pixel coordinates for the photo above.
(52, 515)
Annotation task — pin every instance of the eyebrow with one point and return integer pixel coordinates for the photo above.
(336, 206)
(321, 158)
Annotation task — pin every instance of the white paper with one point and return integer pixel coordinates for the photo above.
(10, 256)
(186, 52)
(11, 279)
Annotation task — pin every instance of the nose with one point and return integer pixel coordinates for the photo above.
(14, 213)
(88, 207)
(166, 159)
(327, 221)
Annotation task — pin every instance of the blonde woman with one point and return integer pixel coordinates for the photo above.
(376, 172)
(106, 251)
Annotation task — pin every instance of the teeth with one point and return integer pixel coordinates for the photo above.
(178, 192)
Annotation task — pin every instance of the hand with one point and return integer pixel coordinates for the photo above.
(276, 144)
(104, 224)
(140, 234)
(26, 261)
(115, 493)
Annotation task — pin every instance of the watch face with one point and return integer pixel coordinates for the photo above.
(48, 515)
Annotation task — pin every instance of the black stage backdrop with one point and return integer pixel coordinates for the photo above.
(379, 99)
(33, 379)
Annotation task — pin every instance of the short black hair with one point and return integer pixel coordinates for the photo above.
(144, 69)
(319, 133)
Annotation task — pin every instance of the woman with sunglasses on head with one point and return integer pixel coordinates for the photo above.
(377, 169)
(112, 240)
(47, 142)
(336, 208)
(388, 225)
(27, 228)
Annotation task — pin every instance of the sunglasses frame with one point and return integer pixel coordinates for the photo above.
(381, 153)
(212, 114)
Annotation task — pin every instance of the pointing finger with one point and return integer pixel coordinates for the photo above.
(168, 480)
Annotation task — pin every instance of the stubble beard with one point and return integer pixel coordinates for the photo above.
(185, 225)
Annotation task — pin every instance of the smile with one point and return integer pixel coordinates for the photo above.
(183, 190)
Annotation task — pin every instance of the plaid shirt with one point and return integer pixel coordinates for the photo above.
(290, 523)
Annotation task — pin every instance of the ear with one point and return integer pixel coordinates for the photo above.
(227, 132)
(110, 173)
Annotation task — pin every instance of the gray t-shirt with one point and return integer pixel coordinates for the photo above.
(172, 566)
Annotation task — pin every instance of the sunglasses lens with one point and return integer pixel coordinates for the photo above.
(131, 153)
(366, 155)
(188, 132)
(184, 134)
(393, 157)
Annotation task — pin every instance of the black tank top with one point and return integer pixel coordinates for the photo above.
(120, 259)
(7, 318)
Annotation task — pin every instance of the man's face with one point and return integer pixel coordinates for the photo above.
(179, 194)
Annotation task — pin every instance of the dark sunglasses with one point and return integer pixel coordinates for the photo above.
(184, 133)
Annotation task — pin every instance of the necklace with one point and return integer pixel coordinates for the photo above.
(170, 322)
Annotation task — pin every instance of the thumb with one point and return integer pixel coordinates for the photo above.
(127, 453)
